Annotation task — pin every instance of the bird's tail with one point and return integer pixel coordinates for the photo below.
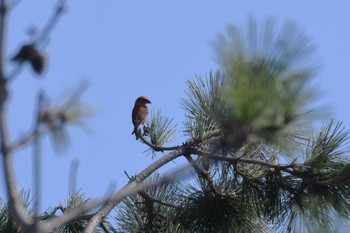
(135, 132)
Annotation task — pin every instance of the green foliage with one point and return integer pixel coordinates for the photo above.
(321, 194)
(161, 130)
(325, 151)
(7, 225)
(203, 95)
(69, 111)
(263, 93)
(267, 74)
(73, 201)
(262, 152)
(247, 116)
(224, 210)
(261, 105)
(139, 213)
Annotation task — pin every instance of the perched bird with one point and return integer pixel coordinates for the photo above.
(139, 113)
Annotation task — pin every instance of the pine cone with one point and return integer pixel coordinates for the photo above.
(28, 53)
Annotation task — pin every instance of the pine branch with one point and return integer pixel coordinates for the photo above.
(16, 207)
(157, 148)
(204, 175)
(149, 209)
(41, 39)
(149, 198)
(27, 138)
(108, 203)
(202, 105)
(161, 129)
(143, 212)
(289, 168)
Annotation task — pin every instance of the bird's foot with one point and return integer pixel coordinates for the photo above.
(145, 130)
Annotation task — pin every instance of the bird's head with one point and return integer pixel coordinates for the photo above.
(142, 100)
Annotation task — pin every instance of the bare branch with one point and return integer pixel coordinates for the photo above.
(28, 138)
(59, 207)
(108, 206)
(111, 202)
(284, 167)
(15, 204)
(148, 197)
(104, 227)
(37, 159)
(3, 25)
(149, 208)
(52, 22)
(16, 207)
(63, 210)
(42, 38)
(203, 174)
(73, 176)
(156, 148)
(13, 4)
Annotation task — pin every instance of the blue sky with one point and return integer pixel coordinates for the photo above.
(130, 48)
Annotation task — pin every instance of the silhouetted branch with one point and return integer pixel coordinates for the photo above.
(108, 203)
(3, 26)
(43, 36)
(15, 205)
(156, 148)
(52, 22)
(52, 214)
(13, 3)
(148, 197)
(104, 227)
(203, 174)
(28, 138)
(108, 206)
(289, 168)
(73, 176)
(37, 158)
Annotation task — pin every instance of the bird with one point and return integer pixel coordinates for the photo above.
(139, 113)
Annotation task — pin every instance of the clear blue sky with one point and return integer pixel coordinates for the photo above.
(130, 48)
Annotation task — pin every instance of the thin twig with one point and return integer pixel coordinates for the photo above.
(52, 22)
(84, 217)
(52, 214)
(104, 227)
(13, 4)
(73, 169)
(157, 148)
(3, 25)
(149, 209)
(43, 36)
(59, 207)
(147, 196)
(26, 139)
(289, 168)
(15, 204)
(37, 159)
(203, 174)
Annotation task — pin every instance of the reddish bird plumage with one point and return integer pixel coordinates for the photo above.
(139, 113)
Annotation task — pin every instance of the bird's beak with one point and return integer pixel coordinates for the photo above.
(149, 102)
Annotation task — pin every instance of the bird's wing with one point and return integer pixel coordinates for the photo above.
(133, 115)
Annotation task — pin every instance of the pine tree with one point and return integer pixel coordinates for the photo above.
(258, 165)
(255, 159)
